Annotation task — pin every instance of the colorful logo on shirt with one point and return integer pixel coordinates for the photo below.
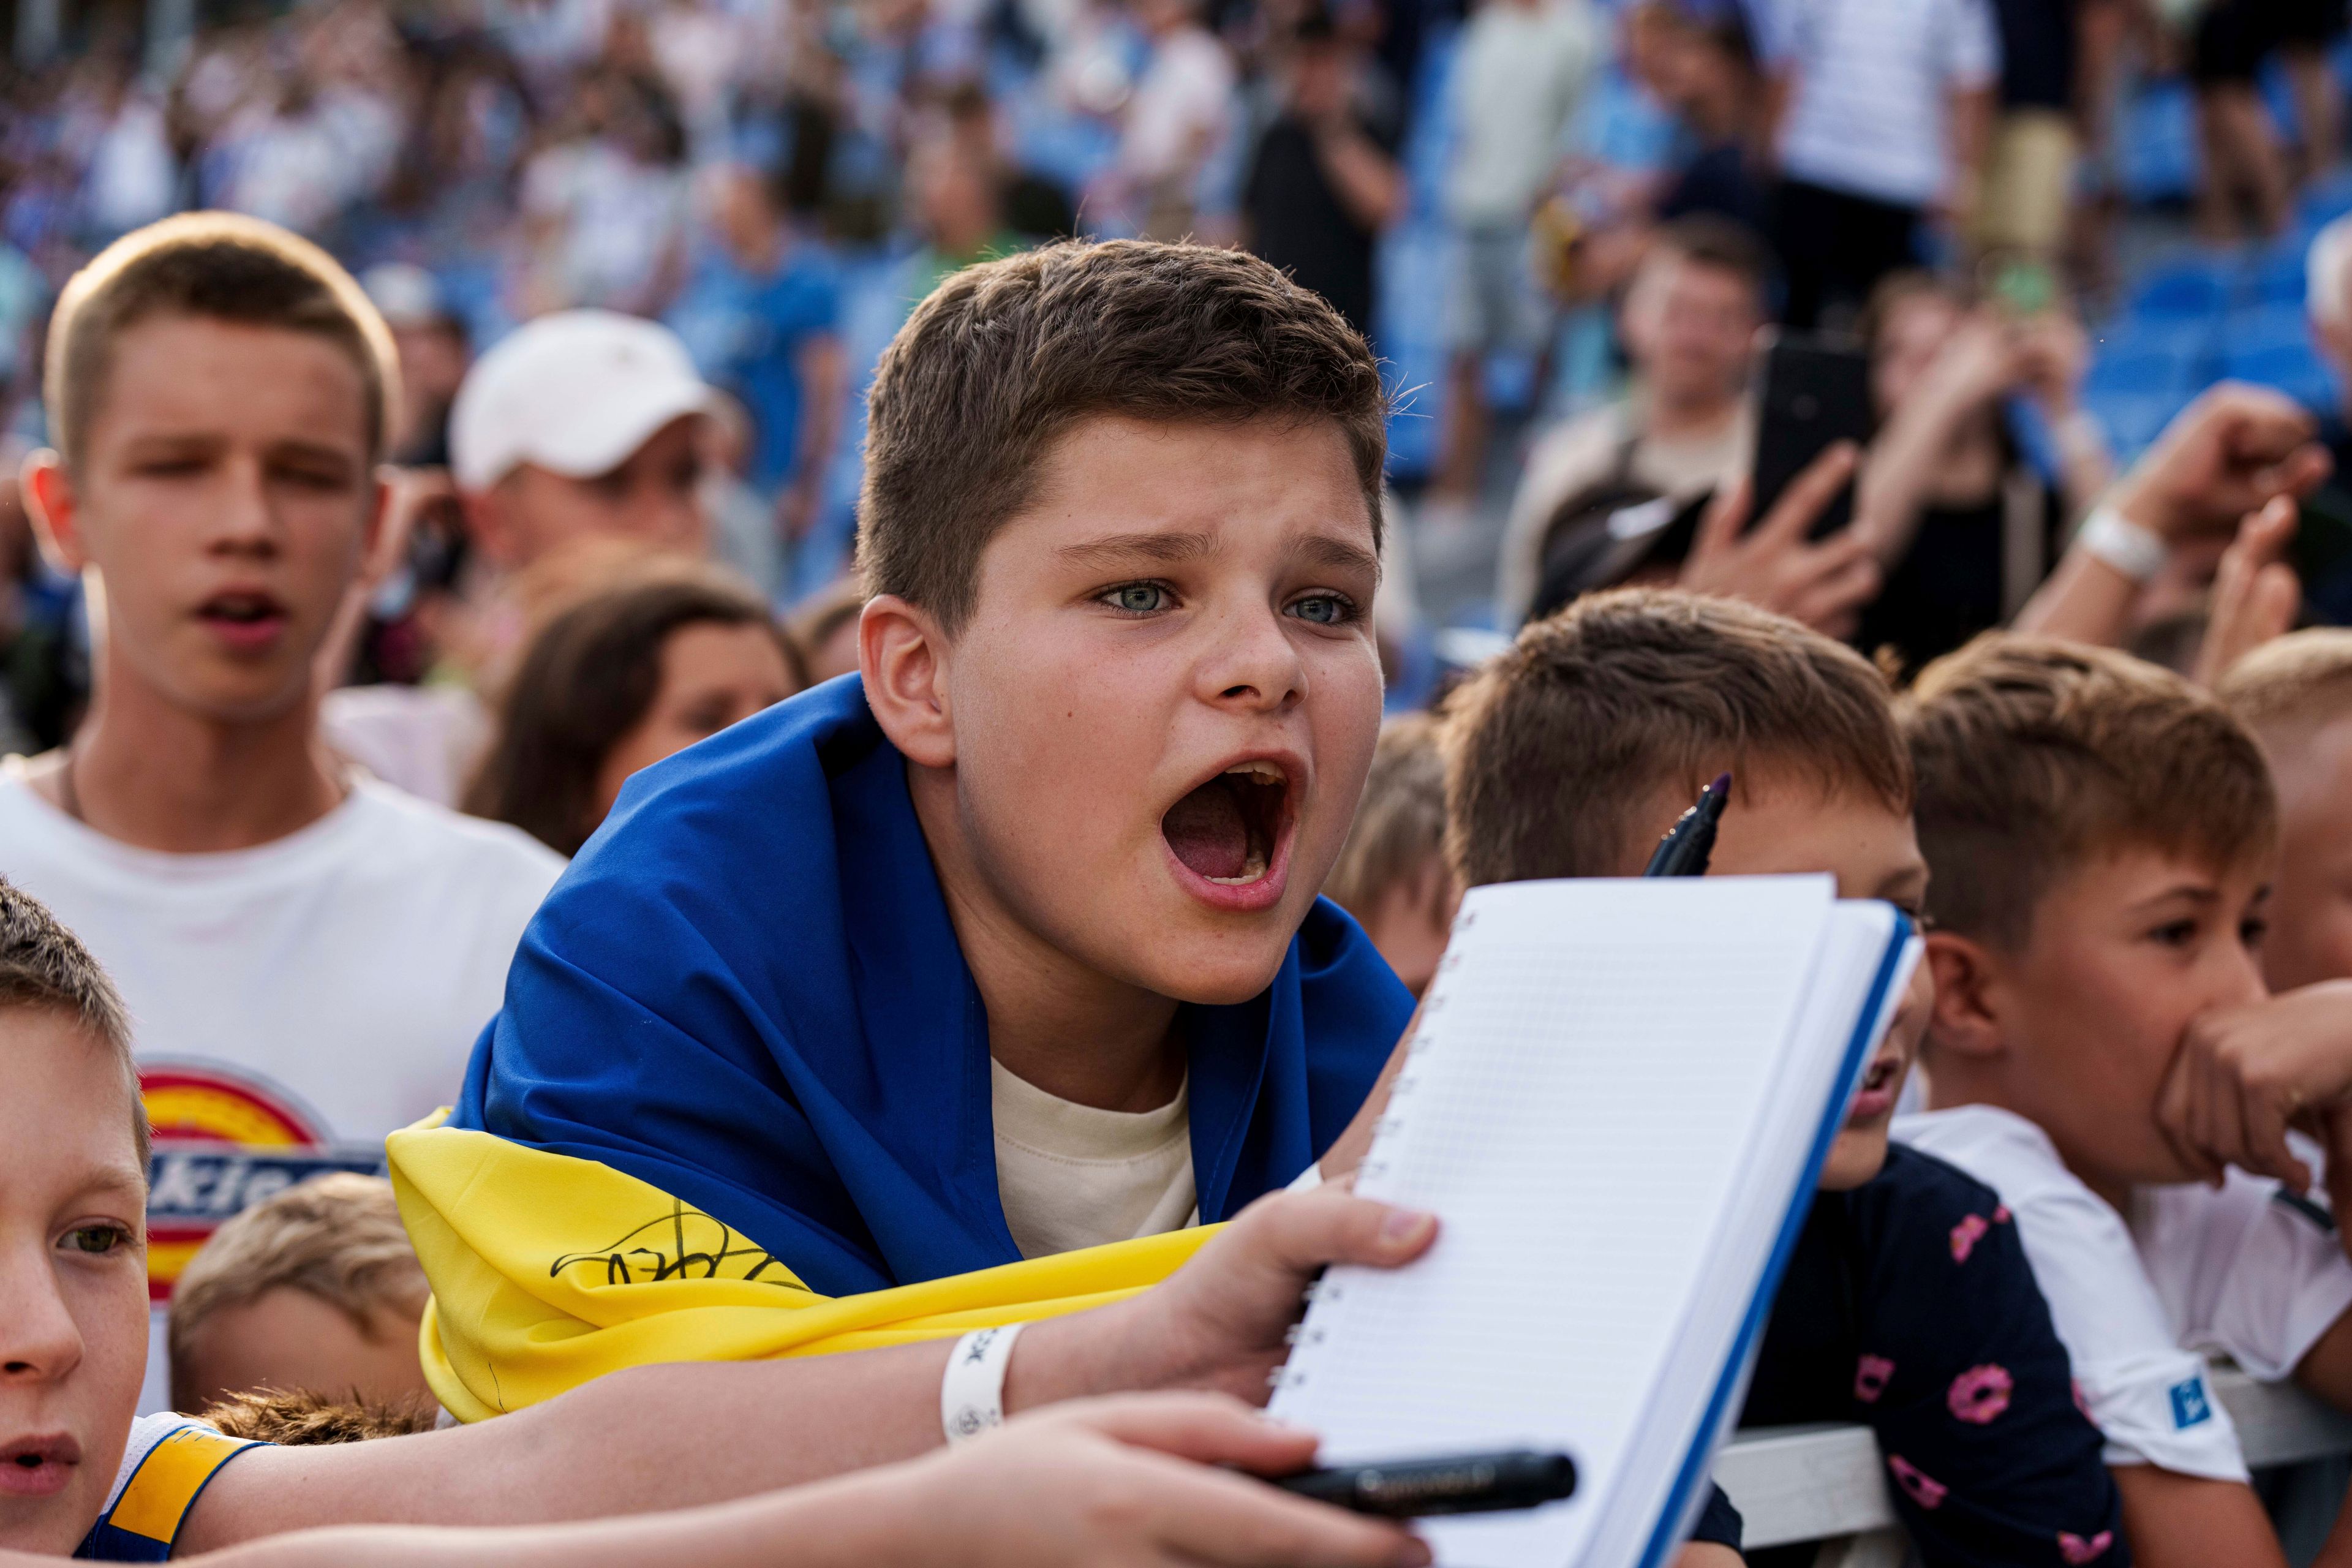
(2191, 1405)
(223, 1142)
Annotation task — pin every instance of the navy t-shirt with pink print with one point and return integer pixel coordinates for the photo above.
(1909, 1307)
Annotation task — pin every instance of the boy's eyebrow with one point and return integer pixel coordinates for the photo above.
(1338, 555)
(2196, 892)
(1165, 548)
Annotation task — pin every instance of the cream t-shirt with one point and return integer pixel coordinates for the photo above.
(1071, 1175)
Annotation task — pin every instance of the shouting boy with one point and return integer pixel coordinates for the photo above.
(1012, 945)
(2102, 836)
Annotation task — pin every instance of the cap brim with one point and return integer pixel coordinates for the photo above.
(606, 436)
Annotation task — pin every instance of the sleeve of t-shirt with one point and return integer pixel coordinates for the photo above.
(1964, 1382)
(2279, 1277)
(1719, 1523)
(2149, 1397)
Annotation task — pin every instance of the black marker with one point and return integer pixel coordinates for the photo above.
(1684, 850)
(1465, 1483)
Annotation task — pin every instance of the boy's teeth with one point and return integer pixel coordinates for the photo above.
(1257, 772)
(1251, 870)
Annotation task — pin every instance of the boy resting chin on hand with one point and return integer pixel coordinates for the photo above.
(2101, 838)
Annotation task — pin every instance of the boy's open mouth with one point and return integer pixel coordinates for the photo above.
(1226, 830)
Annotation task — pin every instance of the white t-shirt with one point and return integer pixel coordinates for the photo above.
(1874, 79)
(326, 987)
(2138, 1304)
(1181, 107)
(1072, 1176)
(1519, 78)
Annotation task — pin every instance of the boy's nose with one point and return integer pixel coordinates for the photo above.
(39, 1340)
(1255, 664)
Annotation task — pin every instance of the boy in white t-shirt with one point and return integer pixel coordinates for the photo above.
(79, 1476)
(307, 955)
(2101, 835)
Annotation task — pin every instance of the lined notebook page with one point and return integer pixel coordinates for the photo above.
(1593, 1064)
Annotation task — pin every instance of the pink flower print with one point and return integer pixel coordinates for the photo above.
(1923, 1491)
(2000, 1214)
(1966, 1234)
(1980, 1393)
(2074, 1548)
(2082, 1402)
(1870, 1378)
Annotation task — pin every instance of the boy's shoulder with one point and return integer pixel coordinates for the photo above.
(2142, 1385)
(166, 1465)
(1997, 1148)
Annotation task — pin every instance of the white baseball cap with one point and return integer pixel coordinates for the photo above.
(575, 392)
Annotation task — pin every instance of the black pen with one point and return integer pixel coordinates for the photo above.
(1684, 850)
(1464, 1483)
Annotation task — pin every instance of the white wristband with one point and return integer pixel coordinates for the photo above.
(972, 1394)
(2109, 536)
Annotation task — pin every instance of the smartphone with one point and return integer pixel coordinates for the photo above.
(1816, 393)
(2322, 555)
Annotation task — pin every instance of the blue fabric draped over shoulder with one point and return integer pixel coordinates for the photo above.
(746, 992)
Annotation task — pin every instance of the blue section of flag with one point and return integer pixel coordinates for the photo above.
(747, 993)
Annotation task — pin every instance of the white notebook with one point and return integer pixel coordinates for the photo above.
(1617, 1103)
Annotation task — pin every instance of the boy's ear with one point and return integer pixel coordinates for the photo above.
(900, 656)
(1964, 1021)
(50, 501)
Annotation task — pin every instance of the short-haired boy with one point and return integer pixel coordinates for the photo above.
(308, 954)
(1908, 1304)
(2101, 835)
(316, 1288)
(1013, 946)
(79, 1476)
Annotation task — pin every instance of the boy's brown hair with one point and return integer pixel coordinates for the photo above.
(1004, 358)
(43, 964)
(219, 266)
(1400, 826)
(2301, 680)
(336, 1238)
(2035, 756)
(1557, 744)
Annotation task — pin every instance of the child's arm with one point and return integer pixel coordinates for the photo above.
(2174, 1521)
(671, 1436)
(1115, 1483)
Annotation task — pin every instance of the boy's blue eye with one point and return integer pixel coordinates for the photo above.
(97, 1240)
(1137, 598)
(1323, 609)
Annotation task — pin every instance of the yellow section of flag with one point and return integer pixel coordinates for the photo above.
(549, 1271)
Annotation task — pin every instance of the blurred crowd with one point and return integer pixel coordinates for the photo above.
(1561, 222)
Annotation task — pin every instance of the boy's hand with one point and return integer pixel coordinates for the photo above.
(1219, 1323)
(1126, 1482)
(2243, 1075)
(2256, 592)
(2227, 453)
(1825, 583)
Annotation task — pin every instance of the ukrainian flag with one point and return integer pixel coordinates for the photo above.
(737, 1103)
